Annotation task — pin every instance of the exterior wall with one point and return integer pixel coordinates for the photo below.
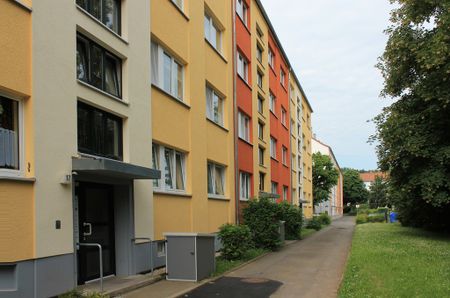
(307, 158)
(183, 125)
(17, 233)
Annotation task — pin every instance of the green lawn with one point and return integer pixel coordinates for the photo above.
(307, 232)
(223, 265)
(388, 260)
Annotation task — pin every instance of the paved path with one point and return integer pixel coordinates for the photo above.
(309, 268)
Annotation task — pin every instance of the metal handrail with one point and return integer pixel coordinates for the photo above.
(151, 250)
(100, 251)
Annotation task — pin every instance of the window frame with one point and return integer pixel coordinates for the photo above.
(161, 183)
(259, 79)
(273, 148)
(261, 127)
(285, 192)
(260, 104)
(245, 64)
(282, 77)
(245, 186)
(181, 7)
(210, 113)
(284, 155)
(212, 23)
(261, 152)
(272, 103)
(259, 53)
(262, 178)
(20, 172)
(88, 10)
(244, 131)
(274, 185)
(244, 16)
(283, 116)
(223, 178)
(271, 58)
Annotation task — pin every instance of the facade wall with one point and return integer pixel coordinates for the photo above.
(307, 158)
(295, 96)
(182, 125)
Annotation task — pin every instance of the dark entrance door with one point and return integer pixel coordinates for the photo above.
(96, 225)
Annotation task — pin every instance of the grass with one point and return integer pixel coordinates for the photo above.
(306, 232)
(223, 265)
(388, 260)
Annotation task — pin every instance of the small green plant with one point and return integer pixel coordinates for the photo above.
(293, 218)
(324, 219)
(314, 223)
(236, 241)
(361, 218)
(376, 217)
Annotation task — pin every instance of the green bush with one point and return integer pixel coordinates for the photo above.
(376, 217)
(293, 218)
(262, 217)
(324, 219)
(314, 223)
(347, 209)
(236, 240)
(361, 218)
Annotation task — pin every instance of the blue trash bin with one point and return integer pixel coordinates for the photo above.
(393, 217)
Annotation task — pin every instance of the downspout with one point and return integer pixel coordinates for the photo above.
(235, 111)
(290, 138)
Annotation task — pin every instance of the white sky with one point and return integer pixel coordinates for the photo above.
(333, 46)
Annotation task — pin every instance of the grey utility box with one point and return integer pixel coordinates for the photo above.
(190, 256)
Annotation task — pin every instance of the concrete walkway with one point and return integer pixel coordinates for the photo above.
(309, 268)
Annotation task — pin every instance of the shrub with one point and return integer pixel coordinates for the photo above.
(292, 215)
(324, 219)
(376, 217)
(236, 240)
(314, 223)
(347, 209)
(262, 217)
(361, 218)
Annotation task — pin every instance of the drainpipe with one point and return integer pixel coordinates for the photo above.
(235, 111)
(290, 137)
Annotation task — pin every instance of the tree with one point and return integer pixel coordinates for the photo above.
(414, 132)
(378, 193)
(325, 176)
(355, 191)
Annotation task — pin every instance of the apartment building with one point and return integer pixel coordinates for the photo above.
(76, 136)
(192, 115)
(306, 160)
(334, 206)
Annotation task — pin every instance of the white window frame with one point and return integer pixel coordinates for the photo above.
(259, 79)
(259, 53)
(260, 105)
(285, 192)
(284, 155)
(210, 106)
(243, 126)
(161, 163)
(273, 148)
(261, 130)
(261, 152)
(222, 171)
(181, 6)
(261, 175)
(272, 102)
(159, 79)
(242, 66)
(283, 116)
(21, 154)
(213, 32)
(244, 186)
(271, 58)
(282, 77)
(242, 11)
(274, 187)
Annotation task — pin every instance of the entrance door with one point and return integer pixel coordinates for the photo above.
(96, 225)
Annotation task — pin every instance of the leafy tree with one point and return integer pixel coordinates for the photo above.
(414, 132)
(325, 176)
(378, 193)
(355, 191)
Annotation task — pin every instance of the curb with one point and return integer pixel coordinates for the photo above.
(144, 283)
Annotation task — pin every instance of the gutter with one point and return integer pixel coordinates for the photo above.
(235, 121)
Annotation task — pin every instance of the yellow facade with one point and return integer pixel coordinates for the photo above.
(182, 125)
(307, 158)
(17, 232)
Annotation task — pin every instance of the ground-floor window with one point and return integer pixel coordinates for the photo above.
(171, 163)
(216, 179)
(9, 133)
(245, 186)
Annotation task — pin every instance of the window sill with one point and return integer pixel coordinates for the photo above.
(262, 115)
(273, 113)
(246, 142)
(244, 200)
(273, 70)
(217, 124)
(216, 51)
(102, 25)
(171, 97)
(6, 177)
(286, 166)
(171, 193)
(217, 197)
(21, 5)
(261, 140)
(284, 125)
(245, 82)
(263, 166)
(274, 159)
(261, 64)
(103, 92)
(180, 10)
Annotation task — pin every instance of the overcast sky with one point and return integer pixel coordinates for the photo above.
(333, 46)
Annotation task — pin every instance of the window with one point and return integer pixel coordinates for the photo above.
(98, 67)
(216, 179)
(293, 162)
(161, 248)
(261, 131)
(262, 177)
(282, 77)
(99, 132)
(244, 126)
(167, 72)
(261, 156)
(259, 80)
(171, 163)
(285, 193)
(259, 53)
(212, 33)
(260, 105)
(245, 186)
(106, 11)
(178, 3)
(299, 114)
(274, 187)
(284, 155)
(271, 58)
(9, 134)
(273, 148)
(242, 11)
(259, 31)
(272, 102)
(283, 116)
(214, 106)
(242, 67)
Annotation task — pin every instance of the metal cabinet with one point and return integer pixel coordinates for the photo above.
(189, 256)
